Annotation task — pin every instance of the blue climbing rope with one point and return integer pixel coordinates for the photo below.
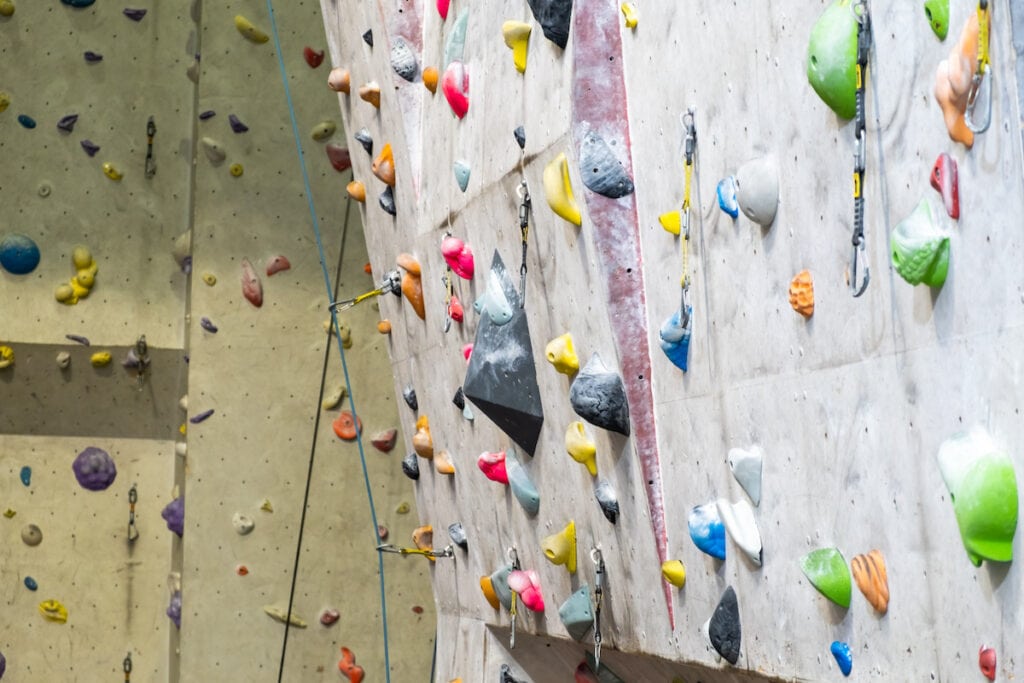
(341, 350)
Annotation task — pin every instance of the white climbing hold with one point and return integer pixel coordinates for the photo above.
(243, 523)
(214, 150)
(746, 467)
(63, 360)
(739, 521)
(332, 399)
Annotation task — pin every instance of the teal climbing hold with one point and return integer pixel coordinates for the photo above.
(19, 254)
(577, 614)
(26, 121)
(78, 3)
(455, 46)
(461, 173)
(26, 475)
(30, 583)
(832, 58)
(937, 12)
(827, 571)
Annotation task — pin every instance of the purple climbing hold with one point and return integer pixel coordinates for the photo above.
(174, 609)
(92, 57)
(208, 325)
(134, 14)
(94, 469)
(90, 147)
(236, 124)
(3, 664)
(67, 123)
(208, 114)
(196, 419)
(77, 338)
(174, 514)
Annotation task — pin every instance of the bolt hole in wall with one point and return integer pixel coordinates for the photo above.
(125, 291)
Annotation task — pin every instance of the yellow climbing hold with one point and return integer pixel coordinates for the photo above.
(517, 37)
(671, 221)
(81, 257)
(560, 548)
(183, 428)
(8, 513)
(247, 29)
(267, 507)
(403, 508)
(5, 101)
(581, 448)
(53, 610)
(558, 189)
(86, 278)
(111, 171)
(100, 359)
(629, 12)
(65, 294)
(6, 357)
(78, 287)
(674, 572)
(561, 353)
(6, 8)
(237, 170)
(210, 279)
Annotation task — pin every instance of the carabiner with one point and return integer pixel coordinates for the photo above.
(981, 91)
(858, 245)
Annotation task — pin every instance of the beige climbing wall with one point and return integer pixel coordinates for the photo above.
(850, 406)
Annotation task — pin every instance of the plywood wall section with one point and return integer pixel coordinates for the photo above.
(850, 406)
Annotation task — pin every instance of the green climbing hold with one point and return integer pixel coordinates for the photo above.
(983, 487)
(832, 58)
(827, 571)
(937, 12)
(919, 250)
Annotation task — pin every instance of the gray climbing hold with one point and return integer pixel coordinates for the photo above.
(368, 37)
(723, 629)
(519, 481)
(577, 614)
(553, 16)
(31, 535)
(506, 675)
(461, 173)
(403, 61)
(605, 495)
(601, 171)
(409, 396)
(364, 138)
(411, 467)
(599, 397)
(757, 190)
(67, 123)
(387, 201)
(520, 135)
(458, 535)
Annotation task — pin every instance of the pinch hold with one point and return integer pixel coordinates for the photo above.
(384, 166)
(674, 571)
(493, 466)
(558, 190)
(872, 579)
(422, 442)
(599, 397)
(455, 86)
(580, 447)
(517, 37)
(801, 293)
(459, 257)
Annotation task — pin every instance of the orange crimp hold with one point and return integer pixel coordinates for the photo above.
(348, 667)
(872, 579)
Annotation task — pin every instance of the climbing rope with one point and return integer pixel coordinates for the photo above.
(860, 12)
(348, 383)
(982, 80)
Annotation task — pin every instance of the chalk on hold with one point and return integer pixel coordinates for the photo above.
(384, 165)
(601, 170)
(329, 616)
(430, 77)
(411, 467)
(494, 301)
(422, 442)
(387, 201)
(455, 86)
(357, 191)
(409, 396)
(801, 293)
(385, 441)
(757, 190)
(739, 521)
(843, 656)
(522, 486)
(746, 468)
(517, 37)
(243, 524)
(726, 193)
(577, 613)
(403, 61)
(558, 190)
(340, 80)
(599, 397)
(249, 31)
(63, 360)
(323, 130)
(580, 447)
(313, 57)
(919, 249)
(457, 533)
(493, 466)
(527, 585)
(826, 569)
(370, 92)
(707, 530)
(606, 499)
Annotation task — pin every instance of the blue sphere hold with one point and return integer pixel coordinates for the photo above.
(30, 583)
(19, 254)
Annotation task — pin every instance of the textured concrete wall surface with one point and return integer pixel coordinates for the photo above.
(850, 406)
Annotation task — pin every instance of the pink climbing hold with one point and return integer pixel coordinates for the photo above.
(946, 182)
(467, 351)
(493, 466)
(455, 309)
(987, 662)
(442, 8)
(339, 157)
(385, 441)
(252, 287)
(459, 256)
(455, 85)
(527, 584)
(277, 264)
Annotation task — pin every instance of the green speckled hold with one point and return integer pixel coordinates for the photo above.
(827, 571)
(983, 487)
(832, 58)
(937, 12)
(919, 250)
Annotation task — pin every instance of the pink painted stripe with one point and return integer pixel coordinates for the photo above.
(599, 104)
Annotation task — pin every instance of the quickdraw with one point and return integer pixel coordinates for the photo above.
(392, 283)
(133, 498)
(524, 229)
(598, 560)
(127, 666)
(860, 12)
(981, 83)
(449, 551)
(513, 558)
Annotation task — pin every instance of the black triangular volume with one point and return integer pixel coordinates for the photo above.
(724, 629)
(553, 16)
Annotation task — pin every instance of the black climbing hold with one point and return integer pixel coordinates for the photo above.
(67, 123)
(368, 37)
(387, 200)
(506, 675)
(92, 57)
(78, 3)
(458, 535)
(409, 394)
(598, 396)
(553, 16)
(606, 498)
(90, 147)
(459, 399)
(601, 171)
(724, 627)
(411, 467)
(601, 671)
(364, 138)
(501, 378)
(520, 135)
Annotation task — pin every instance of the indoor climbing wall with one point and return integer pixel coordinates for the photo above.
(788, 269)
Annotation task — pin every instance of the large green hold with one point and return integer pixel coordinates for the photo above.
(983, 487)
(827, 571)
(937, 12)
(919, 249)
(832, 58)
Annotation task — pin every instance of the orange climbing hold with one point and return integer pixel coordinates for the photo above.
(422, 442)
(384, 165)
(242, 570)
(801, 293)
(872, 579)
(487, 586)
(953, 81)
(370, 93)
(357, 191)
(412, 284)
(430, 77)
(348, 667)
(443, 463)
(345, 426)
(384, 327)
(367, 268)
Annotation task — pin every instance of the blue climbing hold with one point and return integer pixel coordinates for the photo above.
(841, 651)
(19, 254)
(78, 3)
(30, 583)
(26, 475)
(26, 121)
(707, 530)
(675, 338)
(726, 192)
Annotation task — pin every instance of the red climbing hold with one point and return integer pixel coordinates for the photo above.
(339, 157)
(313, 58)
(347, 666)
(946, 182)
(252, 288)
(345, 426)
(385, 441)
(987, 662)
(277, 264)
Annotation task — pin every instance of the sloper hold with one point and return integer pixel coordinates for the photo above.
(601, 171)
(519, 481)
(455, 86)
(506, 675)
(455, 45)
(599, 397)
(403, 61)
(724, 627)
(844, 658)
(757, 190)
(826, 569)
(364, 138)
(553, 16)
(987, 662)
(746, 468)
(919, 249)
(517, 37)
(501, 379)
(937, 12)
(558, 190)
(457, 533)
(560, 547)
(707, 530)
(832, 58)
(674, 338)
(493, 302)
(606, 498)
(739, 521)
(461, 168)
(577, 614)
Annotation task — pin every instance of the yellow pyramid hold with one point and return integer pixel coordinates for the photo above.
(517, 37)
(671, 221)
(558, 190)
(629, 13)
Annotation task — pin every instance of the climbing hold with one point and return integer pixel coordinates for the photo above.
(987, 662)
(945, 180)
(338, 156)
(443, 462)
(871, 577)
(277, 264)
(422, 442)
(801, 293)
(370, 92)
(134, 14)
(347, 427)
(26, 121)
(844, 658)
(312, 57)
(5, 101)
(580, 447)
(493, 466)
(430, 78)
(494, 302)
(746, 468)
(9, 513)
(561, 353)
(455, 44)
(506, 675)
(384, 166)
(32, 585)
(236, 124)
(519, 481)
(31, 535)
(607, 500)
(111, 171)
(558, 190)
(937, 12)
(207, 325)
(281, 614)
(329, 616)
(517, 37)
(92, 57)
(599, 397)
(461, 169)
(201, 417)
(726, 193)
(723, 629)
(527, 585)
(577, 613)
(356, 190)
(757, 190)
(919, 250)
(90, 147)
(364, 138)
(495, 588)
(249, 31)
(738, 519)
(384, 327)
(100, 359)
(520, 136)
(252, 286)
(214, 150)
(553, 16)
(826, 569)
(236, 170)
(6, 8)
(629, 14)
(53, 610)
(707, 530)
(954, 79)
(242, 570)
(174, 608)
(347, 664)
(403, 61)
(455, 86)
(174, 514)
(243, 523)
(674, 337)
(423, 537)
(674, 571)
(266, 505)
(442, 8)
(832, 57)
(94, 469)
(26, 475)
(411, 467)
(19, 254)
(67, 123)
(560, 548)
(459, 257)
(323, 130)
(368, 37)
(409, 396)
(983, 488)
(601, 171)
(63, 360)
(412, 283)
(387, 201)
(458, 535)
(385, 441)
(340, 80)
